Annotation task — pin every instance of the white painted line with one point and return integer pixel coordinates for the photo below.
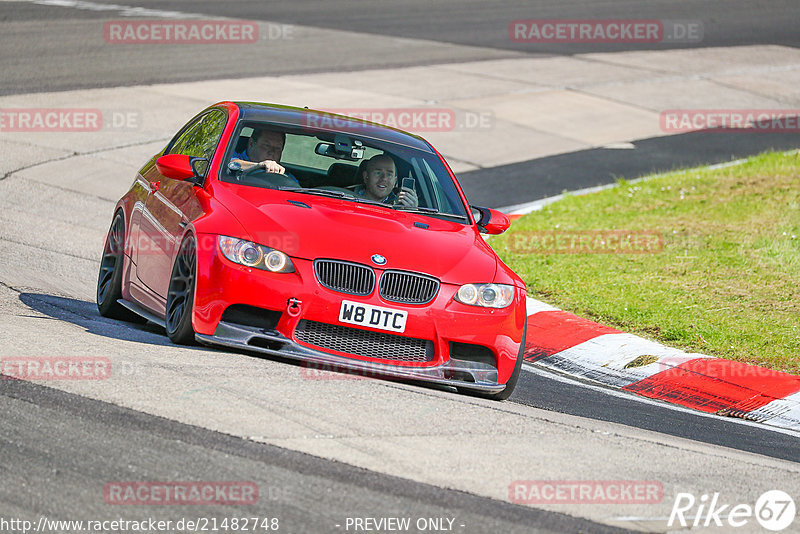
(536, 205)
(783, 412)
(125, 11)
(619, 146)
(546, 373)
(726, 164)
(535, 306)
(603, 359)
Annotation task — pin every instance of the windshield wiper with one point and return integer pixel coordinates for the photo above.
(362, 200)
(334, 194)
(427, 211)
(420, 209)
(371, 202)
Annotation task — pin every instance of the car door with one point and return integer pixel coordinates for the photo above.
(172, 204)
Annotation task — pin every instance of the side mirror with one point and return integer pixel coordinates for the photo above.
(180, 167)
(491, 222)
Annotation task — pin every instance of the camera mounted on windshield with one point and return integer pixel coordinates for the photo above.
(343, 147)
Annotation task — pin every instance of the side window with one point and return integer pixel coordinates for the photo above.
(446, 198)
(201, 138)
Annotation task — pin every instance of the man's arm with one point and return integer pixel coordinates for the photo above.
(268, 165)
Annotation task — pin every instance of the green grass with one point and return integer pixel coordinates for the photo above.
(726, 281)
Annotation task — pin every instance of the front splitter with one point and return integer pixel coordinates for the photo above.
(483, 377)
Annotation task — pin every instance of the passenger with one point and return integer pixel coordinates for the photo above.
(264, 149)
(380, 177)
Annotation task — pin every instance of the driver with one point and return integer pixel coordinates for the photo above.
(379, 177)
(264, 149)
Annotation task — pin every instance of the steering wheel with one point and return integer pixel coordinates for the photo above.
(258, 176)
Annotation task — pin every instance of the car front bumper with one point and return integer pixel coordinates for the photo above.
(440, 323)
(471, 375)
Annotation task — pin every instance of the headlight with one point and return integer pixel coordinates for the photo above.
(486, 295)
(254, 255)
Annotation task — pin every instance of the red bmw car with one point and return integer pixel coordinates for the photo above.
(300, 255)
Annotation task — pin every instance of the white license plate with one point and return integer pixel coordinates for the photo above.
(373, 316)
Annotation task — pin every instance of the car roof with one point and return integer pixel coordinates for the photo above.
(330, 122)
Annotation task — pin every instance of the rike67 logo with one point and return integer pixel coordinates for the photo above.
(774, 510)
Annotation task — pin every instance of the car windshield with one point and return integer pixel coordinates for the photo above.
(333, 164)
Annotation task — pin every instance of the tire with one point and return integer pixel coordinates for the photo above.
(180, 296)
(109, 279)
(512, 380)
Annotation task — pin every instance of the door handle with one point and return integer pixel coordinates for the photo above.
(154, 185)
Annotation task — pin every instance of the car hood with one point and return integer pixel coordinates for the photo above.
(311, 227)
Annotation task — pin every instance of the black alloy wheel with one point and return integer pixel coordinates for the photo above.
(109, 280)
(180, 296)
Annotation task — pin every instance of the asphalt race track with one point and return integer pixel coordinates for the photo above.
(325, 450)
(48, 61)
(307, 493)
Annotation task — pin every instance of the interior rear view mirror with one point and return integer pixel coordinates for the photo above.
(342, 148)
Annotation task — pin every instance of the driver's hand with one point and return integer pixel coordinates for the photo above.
(272, 166)
(407, 197)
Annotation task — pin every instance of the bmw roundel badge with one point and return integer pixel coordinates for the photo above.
(377, 259)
